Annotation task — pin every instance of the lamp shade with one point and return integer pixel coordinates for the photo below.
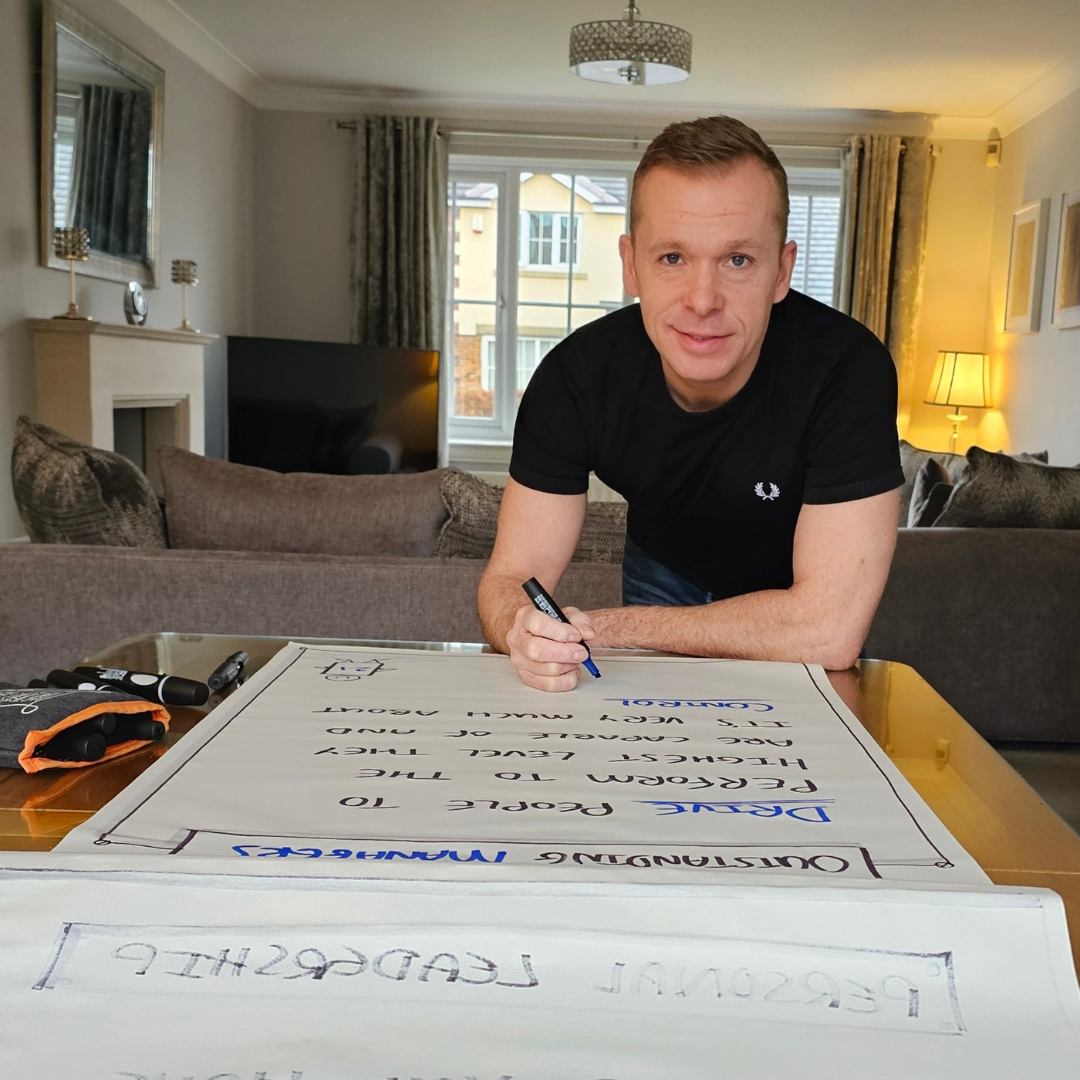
(960, 379)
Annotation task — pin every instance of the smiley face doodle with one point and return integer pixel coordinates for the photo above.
(351, 670)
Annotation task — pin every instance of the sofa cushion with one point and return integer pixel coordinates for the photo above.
(473, 505)
(929, 495)
(912, 460)
(997, 491)
(71, 493)
(221, 506)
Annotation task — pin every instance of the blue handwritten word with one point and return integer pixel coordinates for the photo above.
(710, 703)
(261, 851)
(779, 808)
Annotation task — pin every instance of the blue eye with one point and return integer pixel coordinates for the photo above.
(739, 260)
(670, 259)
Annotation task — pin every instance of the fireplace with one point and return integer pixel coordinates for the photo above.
(123, 388)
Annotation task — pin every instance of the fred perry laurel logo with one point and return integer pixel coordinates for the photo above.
(759, 491)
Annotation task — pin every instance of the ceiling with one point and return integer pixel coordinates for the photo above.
(973, 64)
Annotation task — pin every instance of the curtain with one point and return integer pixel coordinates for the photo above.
(398, 235)
(111, 169)
(886, 189)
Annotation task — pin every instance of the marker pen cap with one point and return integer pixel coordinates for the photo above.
(103, 723)
(74, 745)
(228, 671)
(136, 727)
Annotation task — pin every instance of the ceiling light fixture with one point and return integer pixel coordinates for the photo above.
(630, 51)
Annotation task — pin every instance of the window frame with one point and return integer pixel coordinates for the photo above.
(824, 179)
(487, 342)
(507, 173)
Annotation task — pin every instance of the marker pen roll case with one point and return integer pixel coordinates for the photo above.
(31, 718)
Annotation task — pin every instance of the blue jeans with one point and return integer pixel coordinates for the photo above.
(645, 581)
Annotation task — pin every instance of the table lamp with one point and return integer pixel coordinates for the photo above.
(960, 379)
(183, 273)
(73, 245)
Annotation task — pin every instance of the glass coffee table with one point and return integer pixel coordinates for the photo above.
(1007, 828)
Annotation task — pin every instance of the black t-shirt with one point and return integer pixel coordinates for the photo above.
(715, 495)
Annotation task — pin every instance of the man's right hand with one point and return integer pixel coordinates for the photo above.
(537, 536)
(546, 653)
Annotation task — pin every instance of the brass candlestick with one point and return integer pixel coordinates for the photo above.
(73, 245)
(183, 273)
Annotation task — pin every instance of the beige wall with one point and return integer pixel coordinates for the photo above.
(958, 231)
(303, 199)
(207, 215)
(1037, 376)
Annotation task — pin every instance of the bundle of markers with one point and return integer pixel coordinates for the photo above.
(74, 718)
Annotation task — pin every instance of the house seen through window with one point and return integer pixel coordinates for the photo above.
(533, 255)
(546, 240)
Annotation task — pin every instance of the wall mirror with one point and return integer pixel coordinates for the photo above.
(102, 114)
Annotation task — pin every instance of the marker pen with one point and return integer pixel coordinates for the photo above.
(138, 726)
(543, 602)
(68, 680)
(168, 689)
(228, 671)
(74, 744)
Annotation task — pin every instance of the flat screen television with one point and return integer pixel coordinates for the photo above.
(323, 406)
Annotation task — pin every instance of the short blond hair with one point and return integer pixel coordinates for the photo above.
(711, 144)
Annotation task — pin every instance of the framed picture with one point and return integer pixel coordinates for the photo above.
(1027, 257)
(1067, 279)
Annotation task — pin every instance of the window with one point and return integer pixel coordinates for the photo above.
(68, 107)
(487, 363)
(814, 225)
(546, 241)
(530, 351)
(532, 255)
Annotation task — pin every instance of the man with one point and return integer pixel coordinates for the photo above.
(751, 430)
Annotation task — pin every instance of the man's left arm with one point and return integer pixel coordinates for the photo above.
(840, 562)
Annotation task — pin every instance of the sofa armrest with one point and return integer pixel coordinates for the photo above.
(990, 618)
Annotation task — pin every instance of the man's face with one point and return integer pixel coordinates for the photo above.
(708, 262)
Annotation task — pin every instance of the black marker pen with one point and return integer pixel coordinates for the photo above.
(228, 671)
(68, 680)
(543, 602)
(168, 689)
(137, 726)
(73, 744)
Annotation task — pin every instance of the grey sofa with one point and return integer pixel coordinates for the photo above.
(990, 617)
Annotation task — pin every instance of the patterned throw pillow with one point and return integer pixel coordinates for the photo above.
(933, 486)
(912, 459)
(70, 493)
(469, 533)
(997, 491)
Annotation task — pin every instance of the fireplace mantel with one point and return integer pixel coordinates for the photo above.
(86, 369)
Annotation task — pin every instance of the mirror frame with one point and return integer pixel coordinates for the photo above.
(59, 16)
